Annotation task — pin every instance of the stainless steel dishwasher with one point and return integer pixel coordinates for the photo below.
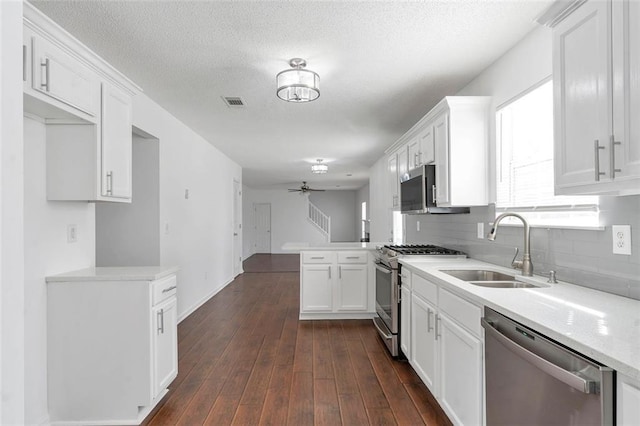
(532, 380)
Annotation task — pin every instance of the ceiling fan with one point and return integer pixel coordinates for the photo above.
(304, 188)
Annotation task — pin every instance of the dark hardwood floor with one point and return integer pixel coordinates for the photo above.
(244, 358)
(261, 262)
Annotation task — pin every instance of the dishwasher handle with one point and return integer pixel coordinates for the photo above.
(567, 377)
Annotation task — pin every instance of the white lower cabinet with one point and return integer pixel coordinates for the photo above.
(628, 401)
(112, 346)
(461, 355)
(423, 342)
(447, 350)
(405, 320)
(336, 284)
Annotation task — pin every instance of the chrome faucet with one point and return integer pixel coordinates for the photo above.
(525, 264)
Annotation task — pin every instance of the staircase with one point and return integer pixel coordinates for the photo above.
(320, 220)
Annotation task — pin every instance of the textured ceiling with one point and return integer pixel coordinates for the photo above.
(382, 65)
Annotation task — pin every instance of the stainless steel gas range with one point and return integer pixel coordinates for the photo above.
(388, 304)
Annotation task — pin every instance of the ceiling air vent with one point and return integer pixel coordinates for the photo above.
(233, 101)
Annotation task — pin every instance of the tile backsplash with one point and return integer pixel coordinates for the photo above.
(582, 257)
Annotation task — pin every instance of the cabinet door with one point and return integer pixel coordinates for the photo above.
(441, 141)
(582, 97)
(165, 344)
(57, 74)
(116, 143)
(393, 181)
(460, 373)
(626, 45)
(413, 148)
(627, 401)
(427, 154)
(405, 321)
(316, 291)
(403, 162)
(423, 342)
(352, 288)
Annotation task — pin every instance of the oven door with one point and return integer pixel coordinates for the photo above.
(387, 296)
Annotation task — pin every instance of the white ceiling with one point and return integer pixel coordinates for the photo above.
(382, 64)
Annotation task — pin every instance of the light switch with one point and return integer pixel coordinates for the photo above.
(417, 226)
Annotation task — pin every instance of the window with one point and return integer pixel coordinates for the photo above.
(363, 216)
(524, 161)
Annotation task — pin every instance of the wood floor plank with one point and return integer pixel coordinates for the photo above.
(381, 417)
(303, 360)
(301, 399)
(326, 409)
(276, 403)
(372, 393)
(352, 409)
(322, 363)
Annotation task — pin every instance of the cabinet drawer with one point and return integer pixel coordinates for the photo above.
(466, 314)
(164, 288)
(317, 257)
(352, 257)
(424, 288)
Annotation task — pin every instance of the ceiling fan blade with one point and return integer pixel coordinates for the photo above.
(294, 190)
(319, 190)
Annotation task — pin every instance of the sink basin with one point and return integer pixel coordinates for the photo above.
(485, 278)
(479, 275)
(502, 284)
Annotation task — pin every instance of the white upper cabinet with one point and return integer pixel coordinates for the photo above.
(393, 181)
(454, 136)
(116, 143)
(87, 107)
(461, 138)
(596, 77)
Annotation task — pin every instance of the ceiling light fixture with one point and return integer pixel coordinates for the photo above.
(320, 167)
(298, 84)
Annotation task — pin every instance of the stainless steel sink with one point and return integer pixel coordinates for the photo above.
(485, 278)
(479, 275)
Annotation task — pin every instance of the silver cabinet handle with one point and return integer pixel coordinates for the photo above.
(168, 289)
(612, 156)
(429, 314)
(438, 319)
(339, 271)
(433, 193)
(24, 62)
(45, 64)
(353, 257)
(419, 158)
(596, 149)
(110, 183)
(317, 257)
(415, 160)
(329, 272)
(578, 383)
(161, 321)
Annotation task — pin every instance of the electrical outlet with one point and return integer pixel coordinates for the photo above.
(417, 226)
(621, 239)
(186, 194)
(72, 233)
(480, 230)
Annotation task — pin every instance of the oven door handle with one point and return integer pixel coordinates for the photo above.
(382, 269)
(567, 377)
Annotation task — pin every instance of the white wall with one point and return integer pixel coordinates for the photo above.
(380, 225)
(340, 206)
(12, 320)
(129, 234)
(288, 219)
(46, 252)
(196, 233)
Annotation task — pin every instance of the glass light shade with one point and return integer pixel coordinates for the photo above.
(319, 168)
(298, 85)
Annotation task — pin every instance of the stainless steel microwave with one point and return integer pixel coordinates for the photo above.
(417, 189)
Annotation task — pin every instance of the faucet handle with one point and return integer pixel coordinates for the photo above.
(516, 264)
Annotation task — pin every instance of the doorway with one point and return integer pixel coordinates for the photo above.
(237, 228)
(263, 227)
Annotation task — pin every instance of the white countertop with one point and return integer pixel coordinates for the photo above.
(602, 326)
(298, 247)
(128, 273)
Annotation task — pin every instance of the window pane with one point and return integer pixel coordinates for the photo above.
(525, 161)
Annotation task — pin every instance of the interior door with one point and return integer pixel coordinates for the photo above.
(263, 228)
(237, 228)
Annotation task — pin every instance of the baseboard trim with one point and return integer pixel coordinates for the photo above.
(336, 316)
(202, 301)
